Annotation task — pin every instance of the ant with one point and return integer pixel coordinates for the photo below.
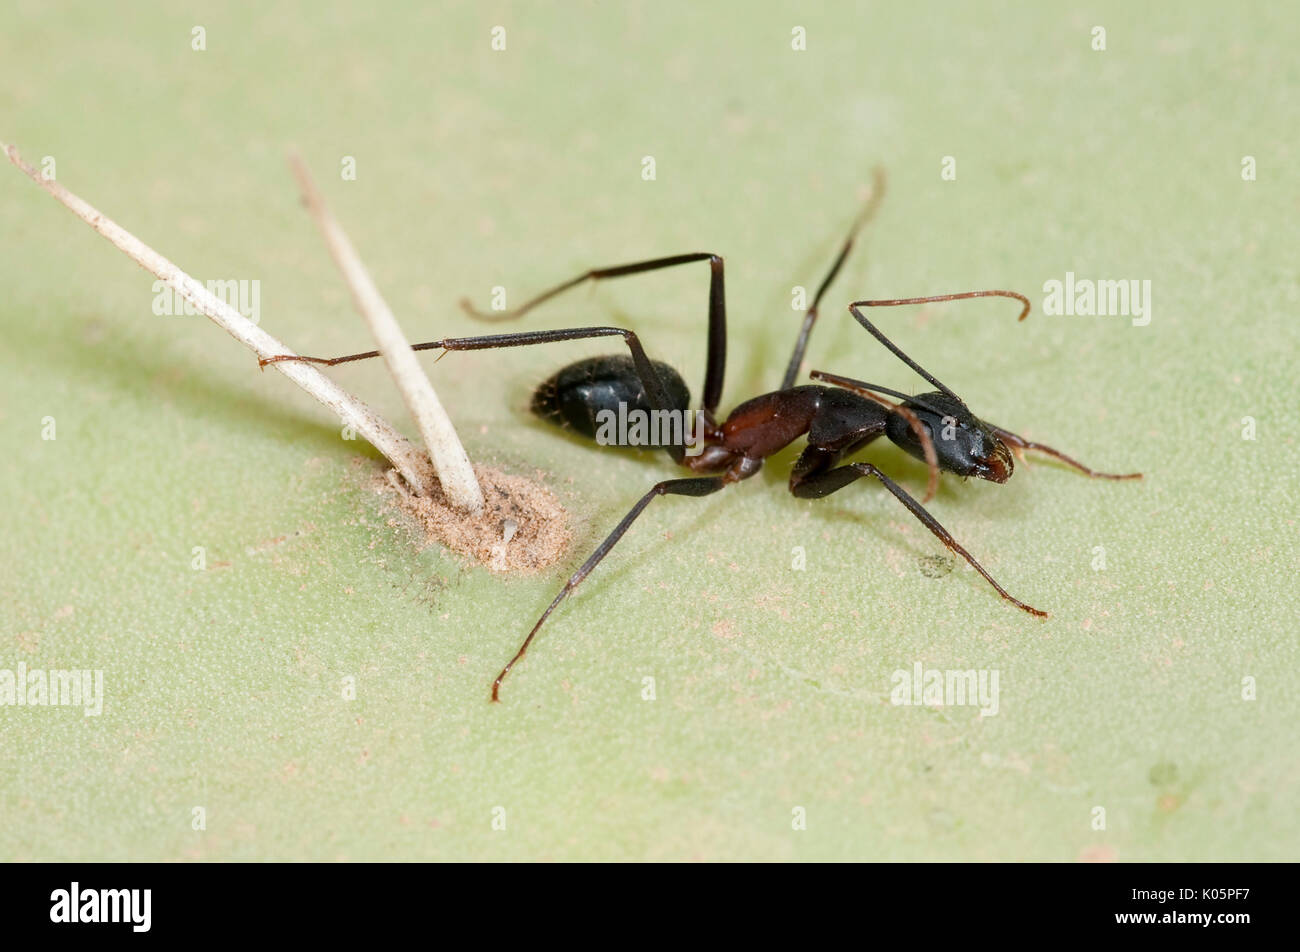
(837, 420)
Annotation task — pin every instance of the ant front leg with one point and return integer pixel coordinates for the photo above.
(810, 483)
(689, 486)
(1020, 443)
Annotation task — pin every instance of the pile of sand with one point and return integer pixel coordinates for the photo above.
(522, 528)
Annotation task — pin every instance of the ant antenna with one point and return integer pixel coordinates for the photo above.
(848, 383)
(897, 352)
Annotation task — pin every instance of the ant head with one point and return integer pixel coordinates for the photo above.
(965, 445)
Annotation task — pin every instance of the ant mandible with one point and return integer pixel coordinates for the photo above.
(838, 420)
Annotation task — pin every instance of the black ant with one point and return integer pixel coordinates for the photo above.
(837, 420)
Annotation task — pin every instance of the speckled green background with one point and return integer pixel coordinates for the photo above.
(518, 168)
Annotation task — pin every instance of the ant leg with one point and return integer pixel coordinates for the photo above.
(868, 390)
(697, 486)
(817, 485)
(716, 359)
(1020, 443)
(331, 361)
(649, 377)
(810, 316)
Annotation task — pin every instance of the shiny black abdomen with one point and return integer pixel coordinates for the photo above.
(573, 397)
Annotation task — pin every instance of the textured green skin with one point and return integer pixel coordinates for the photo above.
(520, 168)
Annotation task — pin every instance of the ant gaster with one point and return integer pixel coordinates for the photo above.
(838, 420)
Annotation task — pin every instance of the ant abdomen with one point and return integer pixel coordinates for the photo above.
(573, 397)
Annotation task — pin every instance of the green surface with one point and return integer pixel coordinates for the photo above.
(519, 168)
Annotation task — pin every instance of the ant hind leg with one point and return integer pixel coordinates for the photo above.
(688, 486)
